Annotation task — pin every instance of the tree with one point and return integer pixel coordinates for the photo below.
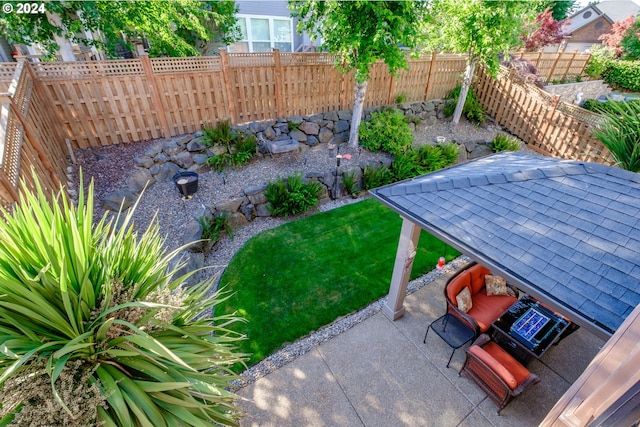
(546, 31)
(164, 23)
(480, 29)
(613, 38)
(97, 329)
(360, 33)
(560, 9)
(631, 41)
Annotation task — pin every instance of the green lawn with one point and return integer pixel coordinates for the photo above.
(296, 278)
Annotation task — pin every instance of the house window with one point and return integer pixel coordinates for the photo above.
(262, 33)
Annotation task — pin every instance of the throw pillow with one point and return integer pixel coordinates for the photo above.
(496, 285)
(464, 300)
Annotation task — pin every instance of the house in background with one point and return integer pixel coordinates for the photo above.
(589, 23)
(267, 25)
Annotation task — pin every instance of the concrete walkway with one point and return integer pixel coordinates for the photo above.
(379, 373)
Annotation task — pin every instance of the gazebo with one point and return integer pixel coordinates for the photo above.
(565, 232)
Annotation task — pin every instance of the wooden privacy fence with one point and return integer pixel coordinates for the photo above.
(111, 102)
(545, 123)
(30, 142)
(101, 103)
(557, 65)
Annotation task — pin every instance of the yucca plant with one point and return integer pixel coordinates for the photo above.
(621, 134)
(95, 328)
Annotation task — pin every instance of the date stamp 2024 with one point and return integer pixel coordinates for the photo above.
(24, 8)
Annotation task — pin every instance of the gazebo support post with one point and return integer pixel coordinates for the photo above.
(394, 306)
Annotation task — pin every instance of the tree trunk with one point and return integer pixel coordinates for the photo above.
(356, 117)
(466, 84)
(66, 50)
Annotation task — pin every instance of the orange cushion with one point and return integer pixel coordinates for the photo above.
(486, 309)
(455, 286)
(477, 273)
(519, 372)
(500, 370)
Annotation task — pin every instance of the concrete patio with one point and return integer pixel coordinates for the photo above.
(379, 373)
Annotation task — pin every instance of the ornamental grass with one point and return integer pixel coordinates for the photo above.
(96, 328)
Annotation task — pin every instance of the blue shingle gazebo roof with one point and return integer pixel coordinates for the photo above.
(566, 232)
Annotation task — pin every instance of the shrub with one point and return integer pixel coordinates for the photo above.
(376, 176)
(472, 109)
(427, 158)
(349, 181)
(291, 196)
(623, 75)
(387, 131)
(239, 148)
(96, 328)
(214, 226)
(621, 134)
(504, 142)
(599, 60)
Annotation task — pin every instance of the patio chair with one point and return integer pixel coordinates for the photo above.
(484, 309)
(495, 371)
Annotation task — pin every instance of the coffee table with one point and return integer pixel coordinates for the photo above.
(452, 331)
(528, 329)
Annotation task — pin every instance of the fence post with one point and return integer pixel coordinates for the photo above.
(553, 67)
(155, 94)
(344, 99)
(392, 85)
(544, 129)
(224, 61)
(569, 64)
(432, 67)
(279, 87)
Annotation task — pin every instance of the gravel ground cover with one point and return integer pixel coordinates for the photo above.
(111, 166)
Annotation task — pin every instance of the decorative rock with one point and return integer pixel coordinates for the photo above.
(182, 140)
(172, 150)
(200, 159)
(470, 146)
(167, 171)
(237, 220)
(341, 126)
(316, 118)
(232, 205)
(298, 135)
(154, 149)
(123, 197)
(258, 198)
(143, 161)
(255, 189)
(196, 145)
(161, 158)
(281, 128)
(216, 150)
(256, 127)
(182, 159)
(248, 211)
(310, 128)
(282, 146)
(429, 106)
(312, 141)
(480, 151)
(192, 235)
(153, 170)
(140, 180)
(345, 115)
(296, 120)
(331, 115)
(325, 135)
(263, 210)
(340, 138)
(270, 133)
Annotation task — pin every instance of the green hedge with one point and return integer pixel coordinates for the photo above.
(623, 74)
